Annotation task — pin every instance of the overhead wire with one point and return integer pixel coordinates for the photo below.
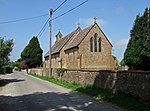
(23, 19)
(44, 27)
(70, 10)
(59, 6)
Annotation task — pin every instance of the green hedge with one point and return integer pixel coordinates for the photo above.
(7, 69)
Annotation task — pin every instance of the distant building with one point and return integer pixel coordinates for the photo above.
(82, 49)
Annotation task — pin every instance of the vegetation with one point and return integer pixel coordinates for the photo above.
(32, 53)
(6, 47)
(60, 72)
(137, 54)
(125, 101)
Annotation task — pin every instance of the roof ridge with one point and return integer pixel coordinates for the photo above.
(79, 37)
(60, 44)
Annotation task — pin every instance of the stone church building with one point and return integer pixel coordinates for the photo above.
(82, 49)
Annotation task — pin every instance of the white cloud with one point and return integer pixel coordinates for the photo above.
(122, 42)
(89, 21)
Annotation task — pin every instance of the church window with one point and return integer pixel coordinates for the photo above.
(95, 42)
(99, 41)
(91, 44)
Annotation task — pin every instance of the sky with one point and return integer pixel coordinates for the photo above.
(115, 18)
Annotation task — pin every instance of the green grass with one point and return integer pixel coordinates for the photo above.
(72, 86)
(125, 101)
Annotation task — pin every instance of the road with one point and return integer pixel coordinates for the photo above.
(22, 92)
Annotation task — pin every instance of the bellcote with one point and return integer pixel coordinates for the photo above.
(58, 36)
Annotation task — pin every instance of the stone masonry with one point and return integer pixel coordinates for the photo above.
(136, 83)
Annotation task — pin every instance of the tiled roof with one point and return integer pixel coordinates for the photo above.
(79, 37)
(59, 45)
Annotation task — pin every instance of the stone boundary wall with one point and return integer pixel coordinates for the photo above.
(136, 83)
(39, 71)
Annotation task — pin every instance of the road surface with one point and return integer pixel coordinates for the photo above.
(22, 92)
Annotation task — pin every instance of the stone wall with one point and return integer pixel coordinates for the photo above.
(136, 83)
(38, 71)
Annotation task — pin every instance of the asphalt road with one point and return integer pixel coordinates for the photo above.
(22, 92)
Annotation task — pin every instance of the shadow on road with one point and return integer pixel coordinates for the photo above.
(4, 82)
(50, 101)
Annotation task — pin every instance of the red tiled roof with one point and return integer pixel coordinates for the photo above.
(79, 37)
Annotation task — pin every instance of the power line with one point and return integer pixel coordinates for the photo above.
(23, 19)
(59, 6)
(70, 10)
(43, 28)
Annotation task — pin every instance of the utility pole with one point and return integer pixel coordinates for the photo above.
(50, 41)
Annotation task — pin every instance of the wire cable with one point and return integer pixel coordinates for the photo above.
(70, 10)
(59, 6)
(23, 19)
(43, 28)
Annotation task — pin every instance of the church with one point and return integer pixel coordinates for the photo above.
(86, 49)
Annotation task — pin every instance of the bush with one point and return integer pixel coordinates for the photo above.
(8, 69)
(60, 71)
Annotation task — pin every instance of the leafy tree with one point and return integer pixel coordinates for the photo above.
(22, 64)
(32, 53)
(137, 54)
(6, 47)
(122, 62)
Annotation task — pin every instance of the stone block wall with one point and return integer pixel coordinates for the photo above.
(136, 83)
(39, 71)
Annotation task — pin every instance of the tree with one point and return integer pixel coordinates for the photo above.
(137, 54)
(32, 53)
(6, 47)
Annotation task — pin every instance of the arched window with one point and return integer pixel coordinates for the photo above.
(95, 42)
(99, 44)
(91, 44)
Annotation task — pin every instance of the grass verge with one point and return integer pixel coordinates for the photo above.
(125, 101)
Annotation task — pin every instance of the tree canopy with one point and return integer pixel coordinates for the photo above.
(32, 53)
(6, 47)
(137, 54)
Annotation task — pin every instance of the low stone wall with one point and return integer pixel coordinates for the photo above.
(136, 83)
(39, 71)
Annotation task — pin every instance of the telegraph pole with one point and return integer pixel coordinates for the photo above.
(50, 41)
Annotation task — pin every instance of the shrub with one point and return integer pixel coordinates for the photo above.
(60, 71)
(8, 69)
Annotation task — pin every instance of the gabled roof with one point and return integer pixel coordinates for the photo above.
(79, 37)
(75, 41)
(104, 35)
(60, 44)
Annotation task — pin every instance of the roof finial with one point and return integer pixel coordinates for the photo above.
(78, 24)
(95, 19)
(58, 30)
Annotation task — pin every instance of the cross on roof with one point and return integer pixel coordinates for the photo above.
(95, 19)
(78, 24)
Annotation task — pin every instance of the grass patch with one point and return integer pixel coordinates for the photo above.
(124, 100)
(68, 85)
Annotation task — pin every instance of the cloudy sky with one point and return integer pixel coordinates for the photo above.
(115, 18)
